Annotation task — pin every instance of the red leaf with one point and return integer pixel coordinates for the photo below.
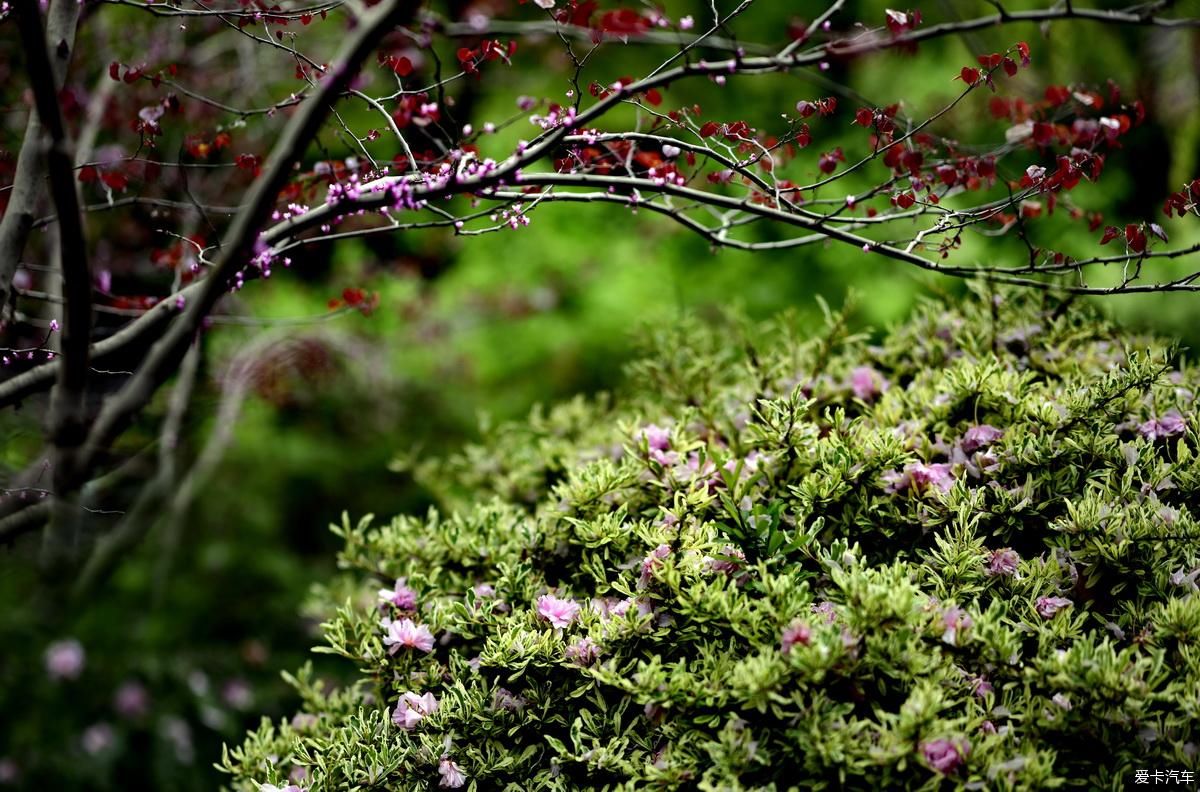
(402, 66)
(115, 181)
(87, 174)
(654, 97)
(114, 70)
(1057, 94)
(864, 117)
(1110, 233)
(968, 75)
(709, 129)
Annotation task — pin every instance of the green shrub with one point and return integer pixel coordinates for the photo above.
(966, 556)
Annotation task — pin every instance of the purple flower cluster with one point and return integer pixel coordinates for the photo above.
(1166, 426)
(970, 455)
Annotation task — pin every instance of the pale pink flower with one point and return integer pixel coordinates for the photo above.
(559, 612)
(131, 700)
(730, 561)
(653, 561)
(981, 687)
(945, 756)
(979, 436)
(826, 610)
(407, 634)
(1169, 425)
(955, 620)
(1002, 562)
(920, 477)
(656, 437)
(98, 738)
(65, 659)
(505, 699)
(866, 383)
(1048, 606)
(413, 708)
(401, 596)
(795, 634)
(452, 775)
(583, 652)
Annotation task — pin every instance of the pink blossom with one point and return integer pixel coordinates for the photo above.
(979, 436)
(945, 756)
(866, 383)
(955, 620)
(652, 561)
(641, 604)
(730, 561)
(505, 699)
(65, 659)
(920, 477)
(981, 687)
(826, 610)
(413, 708)
(1048, 606)
(98, 738)
(559, 612)
(798, 633)
(1002, 562)
(406, 633)
(656, 437)
(452, 775)
(583, 652)
(401, 596)
(1168, 425)
(131, 700)
(687, 23)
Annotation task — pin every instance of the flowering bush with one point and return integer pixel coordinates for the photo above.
(965, 556)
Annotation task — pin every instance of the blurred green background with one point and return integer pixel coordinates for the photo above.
(203, 614)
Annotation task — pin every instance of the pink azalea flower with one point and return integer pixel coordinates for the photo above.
(413, 708)
(405, 633)
(1048, 606)
(955, 620)
(583, 652)
(452, 775)
(731, 560)
(401, 596)
(826, 610)
(656, 437)
(505, 699)
(1002, 562)
(795, 634)
(866, 383)
(945, 756)
(559, 612)
(979, 436)
(65, 659)
(1169, 425)
(920, 477)
(132, 700)
(653, 561)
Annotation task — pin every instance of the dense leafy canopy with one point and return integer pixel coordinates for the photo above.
(960, 556)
